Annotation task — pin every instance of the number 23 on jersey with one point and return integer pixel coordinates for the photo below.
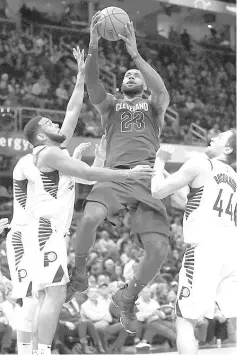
(131, 121)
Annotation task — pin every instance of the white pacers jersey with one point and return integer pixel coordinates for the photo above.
(210, 214)
(24, 175)
(55, 194)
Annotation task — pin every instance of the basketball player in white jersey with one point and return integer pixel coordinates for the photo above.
(208, 276)
(21, 249)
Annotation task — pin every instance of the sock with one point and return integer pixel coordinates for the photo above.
(134, 288)
(80, 263)
(24, 348)
(44, 349)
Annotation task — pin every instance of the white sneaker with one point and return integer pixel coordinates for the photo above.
(143, 346)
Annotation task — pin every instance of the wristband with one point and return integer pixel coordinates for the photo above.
(93, 47)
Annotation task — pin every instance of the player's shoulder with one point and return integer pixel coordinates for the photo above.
(26, 160)
(199, 162)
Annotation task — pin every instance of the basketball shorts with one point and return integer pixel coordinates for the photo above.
(208, 276)
(21, 256)
(148, 214)
(52, 257)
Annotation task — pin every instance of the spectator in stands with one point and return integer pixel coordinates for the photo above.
(105, 243)
(62, 95)
(71, 325)
(3, 92)
(150, 314)
(95, 310)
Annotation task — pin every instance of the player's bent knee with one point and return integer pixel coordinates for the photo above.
(56, 294)
(94, 214)
(182, 322)
(156, 248)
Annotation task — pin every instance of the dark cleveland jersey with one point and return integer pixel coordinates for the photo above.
(132, 133)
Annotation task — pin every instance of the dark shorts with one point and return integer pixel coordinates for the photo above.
(148, 214)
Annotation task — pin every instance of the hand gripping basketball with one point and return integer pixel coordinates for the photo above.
(130, 39)
(94, 34)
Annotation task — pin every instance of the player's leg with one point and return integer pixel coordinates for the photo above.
(93, 215)
(103, 198)
(147, 222)
(48, 317)
(52, 277)
(198, 280)
(25, 326)
(227, 288)
(186, 341)
(40, 300)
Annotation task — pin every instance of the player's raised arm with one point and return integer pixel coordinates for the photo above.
(159, 94)
(161, 186)
(97, 93)
(54, 158)
(75, 102)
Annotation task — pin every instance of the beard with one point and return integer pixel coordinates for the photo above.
(133, 91)
(57, 138)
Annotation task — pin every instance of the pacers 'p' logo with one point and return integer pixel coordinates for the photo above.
(184, 293)
(49, 257)
(22, 273)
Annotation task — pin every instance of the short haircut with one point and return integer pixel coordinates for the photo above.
(232, 144)
(31, 129)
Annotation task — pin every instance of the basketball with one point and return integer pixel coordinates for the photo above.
(113, 21)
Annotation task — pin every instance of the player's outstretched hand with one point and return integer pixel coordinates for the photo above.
(100, 150)
(130, 39)
(79, 56)
(94, 34)
(165, 153)
(3, 224)
(80, 150)
(141, 172)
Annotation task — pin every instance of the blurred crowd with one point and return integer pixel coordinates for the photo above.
(37, 72)
(90, 323)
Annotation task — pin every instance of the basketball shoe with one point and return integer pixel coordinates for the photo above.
(127, 307)
(77, 283)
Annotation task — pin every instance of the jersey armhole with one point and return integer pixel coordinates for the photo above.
(36, 156)
(210, 163)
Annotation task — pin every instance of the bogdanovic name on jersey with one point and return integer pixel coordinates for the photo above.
(132, 108)
(219, 178)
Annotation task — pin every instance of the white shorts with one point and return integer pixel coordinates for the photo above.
(52, 257)
(37, 258)
(208, 275)
(21, 256)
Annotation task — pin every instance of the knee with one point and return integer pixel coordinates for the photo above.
(156, 249)
(56, 295)
(93, 216)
